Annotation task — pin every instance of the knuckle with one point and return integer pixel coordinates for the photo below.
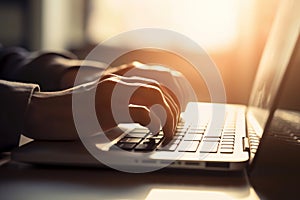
(106, 76)
(109, 81)
(131, 65)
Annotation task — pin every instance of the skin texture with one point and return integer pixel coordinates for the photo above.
(151, 85)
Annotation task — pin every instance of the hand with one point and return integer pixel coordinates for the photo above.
(169, 79)
(152, 86)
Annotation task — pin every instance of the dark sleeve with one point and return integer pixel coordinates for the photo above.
(42, 68)
(45, 69)
(21, 73)
(14, 99)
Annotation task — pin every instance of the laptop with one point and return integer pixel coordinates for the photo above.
(197, 144)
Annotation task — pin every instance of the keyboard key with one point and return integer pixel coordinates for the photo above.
(254, 142)
(253, 150)
(227, 129)
(126, 146)
(254, 145)
(197, 128)
(226, 150)
(227, 142)
(196, 131)
(181, 126)
(226, 146)
(130, 140)
(230, 133)
(179, 133)
(253, 137)
(157, 137)
(161, 133)
(136, 134)
(211, 139)
(177, 137)
(188, 146)
(208, 137)
(146, 146)
(214, 132)
(181, 123)
(184, 129)
(175, 141)
(201, 125)
(140, 130)
(156, 140)
(209, 147)
(168, 147)
(252, 134)
(230, 125)
(228, 136)
(195, 137)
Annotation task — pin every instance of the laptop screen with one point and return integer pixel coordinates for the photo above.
(274, 62)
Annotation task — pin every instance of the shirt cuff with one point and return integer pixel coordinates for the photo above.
(14, 100)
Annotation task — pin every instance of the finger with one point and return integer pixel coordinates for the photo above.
(170, 98)
(173, 101)
(185, 88)
(143, 116)
(149, 96)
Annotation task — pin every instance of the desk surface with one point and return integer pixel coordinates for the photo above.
(21, 181)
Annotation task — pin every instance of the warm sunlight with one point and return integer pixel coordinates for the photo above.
(212, 24)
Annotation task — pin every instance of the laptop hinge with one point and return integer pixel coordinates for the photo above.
(246, 144)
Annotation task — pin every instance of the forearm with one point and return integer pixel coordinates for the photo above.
(50, 116)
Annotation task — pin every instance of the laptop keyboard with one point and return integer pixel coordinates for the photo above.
(254, 139)
(187, 138)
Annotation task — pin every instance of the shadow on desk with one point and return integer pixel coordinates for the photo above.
(21, 181)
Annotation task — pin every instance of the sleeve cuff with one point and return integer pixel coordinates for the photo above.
(14, 100)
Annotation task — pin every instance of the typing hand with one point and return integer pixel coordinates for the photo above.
(171, 80)
(151, 86)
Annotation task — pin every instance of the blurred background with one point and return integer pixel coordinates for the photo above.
(232, 32)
